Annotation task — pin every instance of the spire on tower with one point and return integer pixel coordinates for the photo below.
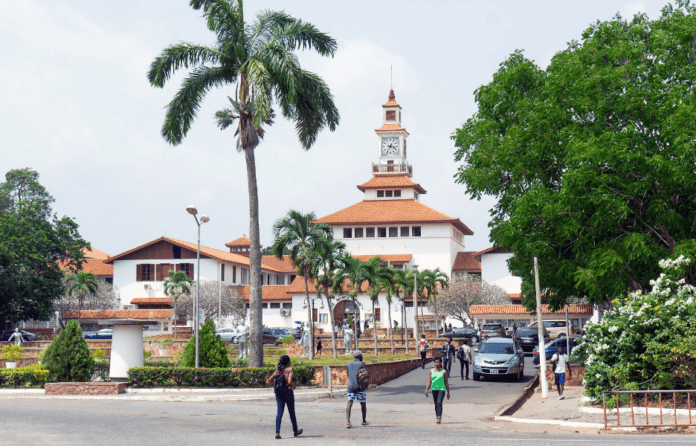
(392, 100)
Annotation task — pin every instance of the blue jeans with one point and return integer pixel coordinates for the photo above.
(287, 397)
(438, 398)
(447, 365)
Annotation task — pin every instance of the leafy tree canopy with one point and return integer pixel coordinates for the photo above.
(34, 246)
(592, 159)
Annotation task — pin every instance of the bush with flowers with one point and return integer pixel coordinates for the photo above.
(647, 341)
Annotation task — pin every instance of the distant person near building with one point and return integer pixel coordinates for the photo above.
(448, 352)
(439, 383)
(560, 361)
(464, 356)
(423, 349)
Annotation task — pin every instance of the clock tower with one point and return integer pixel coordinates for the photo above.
(391, 139)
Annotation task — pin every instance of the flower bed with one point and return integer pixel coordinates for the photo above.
(212, 378)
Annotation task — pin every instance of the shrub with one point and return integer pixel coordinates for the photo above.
(30, 376)
(648, 341)
(67, 358)
(12, 352)
(98, 354)
(212, 351)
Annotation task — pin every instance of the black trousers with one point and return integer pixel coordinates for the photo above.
(283, 399)
(423, 358)
(438, 398)
(461, 365)
(447, 365)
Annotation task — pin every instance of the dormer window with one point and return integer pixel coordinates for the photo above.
(391, 115)
(388, 193)
(397, 193)
(380, 194)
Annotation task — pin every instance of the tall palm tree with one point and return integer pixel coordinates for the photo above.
(375, 274)
(327, 253)
(257, 61)
(432, 280)
(348, 281)
(403, 287)
(82, 283)
(390, 285)
(175, 285)
(298, 233)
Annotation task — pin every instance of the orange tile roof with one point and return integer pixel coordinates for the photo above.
(268, 292)
(390, 128)
(519, 309)
(388, 181)
(391, 102)
(284, 266)
(492, 250)
(120, 314)
(465, 261)
(514, 295)
(98, 267)
(392, 258)
(151, 301)
(242, 241)
(298, 287)
(95, 254)
(209, 252)
(374, 212)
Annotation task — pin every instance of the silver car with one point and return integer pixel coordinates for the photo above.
(226, 334)
(499, 356)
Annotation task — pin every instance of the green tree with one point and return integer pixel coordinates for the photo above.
(211, 349)
(375, 275)
(81, 284)
(257, 60)
(348, 281)
(175, 285)
(34, 246)
(390, 284)
(432, 281)
(298, 233)
(591, 160)
(327, 253)
(403, 288)
(67, 357)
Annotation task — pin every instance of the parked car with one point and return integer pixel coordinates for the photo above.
(26, 335)
(498, 356)
(104, 333)
(528, 337)
(282, 332)
(268, 338)
(226, 334)
(463, 333)
(552, 347)
(492, 330)
(556, 328)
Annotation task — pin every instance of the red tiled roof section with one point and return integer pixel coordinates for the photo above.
(297, 286)
(241, 242)
(120, 314)
(95, 254)
(465, 261)
(390, 128)
(151, 301)
(284, 266)
(492, 250)
(268, 292)
(391, 212)
(392, 258)
(97, 267)
(391, 102)
(391, 181)
(519, 309)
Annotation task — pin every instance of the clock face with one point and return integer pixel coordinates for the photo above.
(390, 146)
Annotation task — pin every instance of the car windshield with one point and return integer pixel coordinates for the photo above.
(497, 348)
(492, 327)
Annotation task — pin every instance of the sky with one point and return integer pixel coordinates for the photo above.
(76, 106)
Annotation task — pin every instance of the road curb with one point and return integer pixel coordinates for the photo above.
(550, 422)
(526, 394)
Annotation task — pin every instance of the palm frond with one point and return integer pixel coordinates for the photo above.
(180, 55)
(225, 18)
(261, 84)
(296, 34)
(266, 26)
(182, 110)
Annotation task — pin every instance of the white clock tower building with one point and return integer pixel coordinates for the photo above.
(391, 140)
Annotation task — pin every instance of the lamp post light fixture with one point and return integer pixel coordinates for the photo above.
(415, 306)
(196, 311)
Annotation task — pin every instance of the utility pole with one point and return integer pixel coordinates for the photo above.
(567, 334)
(415, 306)
(540, 327)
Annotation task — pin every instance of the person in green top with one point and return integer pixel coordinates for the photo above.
(439, 383)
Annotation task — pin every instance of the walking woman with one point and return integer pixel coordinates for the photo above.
(439, 383)
(283, 383)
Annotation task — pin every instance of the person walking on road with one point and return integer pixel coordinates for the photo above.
(423, 349)
(448, 352)
(283, 385)
(319, 347)
(561, 362)
(353, 369)
(464, 356)
(439, 383)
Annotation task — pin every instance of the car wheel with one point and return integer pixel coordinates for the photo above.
(477, 377)
(561, 335)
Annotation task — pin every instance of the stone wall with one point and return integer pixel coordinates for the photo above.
(91, 388)
(575, 380)
(380, 372)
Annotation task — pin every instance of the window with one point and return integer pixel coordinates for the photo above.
(393, 232)
(347, 232)
(380, 194)
(408, 303)
(188, 267)
(162, 272)
(404, 231)
(287, 304)
(369, 232)
(398, 266)
(234, 274)
(391, 115)
(324, 317)
(457, 235)
(222, 272)
(378, 315)
(388, 193)
(292, 278)
(246, 305)
(397, 193)
(264, 305)
(381, 232)
(415, 195)
(358, 232)
(245, 278)
(315, 315)
(144, 273)
(275, 304)
(416, 231)
(177, 252)
(279, 279)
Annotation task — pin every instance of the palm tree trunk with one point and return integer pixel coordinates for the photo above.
(331, 318)
(437, 319)
(391, 327)
(374, 325)
(404, 326)
(79, 308)
(310, 320)
(255, 291)
(175, 332)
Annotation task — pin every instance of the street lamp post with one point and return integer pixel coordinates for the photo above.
(415, 306)
(196, 317)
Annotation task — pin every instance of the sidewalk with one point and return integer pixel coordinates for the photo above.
(173, 394)
(553, 411)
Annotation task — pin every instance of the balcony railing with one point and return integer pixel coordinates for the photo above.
(393, 168)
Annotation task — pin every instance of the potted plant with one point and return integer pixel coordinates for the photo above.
(164, 346)
(11, 353)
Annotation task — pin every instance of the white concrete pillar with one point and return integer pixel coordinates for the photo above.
(126, 350)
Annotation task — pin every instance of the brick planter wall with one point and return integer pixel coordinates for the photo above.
(575, 380)
(380, 372)
(82, 388)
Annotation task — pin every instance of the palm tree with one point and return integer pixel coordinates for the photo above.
(431, 281)
(298, 233)
(82, 283)
(348, 280)
(175, 285)
(403, 287)
(390, 285)
(258, 62)
(375, 274)
(327, 253)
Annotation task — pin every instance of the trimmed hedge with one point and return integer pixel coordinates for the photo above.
(218, 377)
(31, 376)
